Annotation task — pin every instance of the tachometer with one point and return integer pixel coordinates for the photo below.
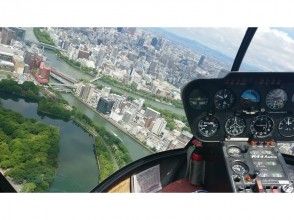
(208, 126)
(286, 127)
(262, 126)
(276, 99)
(235, 126)
(198, 99)
(223, 99)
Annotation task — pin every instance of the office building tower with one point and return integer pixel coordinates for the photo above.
(201, 60)
(105, 105)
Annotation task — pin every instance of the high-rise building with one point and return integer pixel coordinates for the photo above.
(19, 64)
(105, 91)
(148, 122)
(100, 58)
(120, 29)
(33, 59)
(84, 54)
(6, 56)
(158, 126)
(19, 33)
(140, 42)
(152, 68)
(139, 102)
(114, 53)
(7, 35)
(131, 30)
(6, 65)
(86, 91)
(105, 105)
(151, 113)
(154, 42)
(127, 116)
(42, 75)
(201, 60)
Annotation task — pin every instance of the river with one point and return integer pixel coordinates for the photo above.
(77, 166)
(72, 164)
(136, 150)
(54, 61)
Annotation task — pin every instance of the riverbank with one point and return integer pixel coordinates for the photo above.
(114, 124)
(42, 36)
(107, 145)
(132, 89)
(17, 187)
(77, 65)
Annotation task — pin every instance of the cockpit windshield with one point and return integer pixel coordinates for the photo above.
(272, 49)
(95, 99)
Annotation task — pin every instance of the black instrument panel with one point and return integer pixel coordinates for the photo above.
(252, 105)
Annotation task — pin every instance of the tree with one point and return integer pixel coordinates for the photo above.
(29, 187)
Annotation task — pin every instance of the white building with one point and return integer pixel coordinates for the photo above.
(158, 126)
(105, 91)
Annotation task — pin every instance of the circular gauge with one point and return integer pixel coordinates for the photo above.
(235, 126)
(207, 126)
(276, 99)
(262, 126)
(286, 127)
(240, 168)
(223, 99)
(234, 151)
(198, 99)
(250, 96)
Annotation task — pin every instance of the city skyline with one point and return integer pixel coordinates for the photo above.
(227, 41)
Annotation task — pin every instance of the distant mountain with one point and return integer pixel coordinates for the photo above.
(194, 45)
(199, 48)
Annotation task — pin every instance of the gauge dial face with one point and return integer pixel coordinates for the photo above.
(286, 127)
(251, 96)
(208, 126)
(198, 99)
(262, 126)
(234, 151)
(249, 100)
(235, 126)
(276, 99)
(223, 99)
(240, 168)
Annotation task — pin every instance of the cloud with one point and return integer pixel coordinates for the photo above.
(271, 50)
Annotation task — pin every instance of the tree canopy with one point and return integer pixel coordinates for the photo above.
(28, 150)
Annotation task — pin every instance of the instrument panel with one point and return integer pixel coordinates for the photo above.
(242, 105)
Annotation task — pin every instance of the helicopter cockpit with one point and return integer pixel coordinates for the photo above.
(243, 138)
(243, 128)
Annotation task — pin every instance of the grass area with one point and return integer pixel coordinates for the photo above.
(43, 36)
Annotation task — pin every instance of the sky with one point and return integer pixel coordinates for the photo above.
(272, 49)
